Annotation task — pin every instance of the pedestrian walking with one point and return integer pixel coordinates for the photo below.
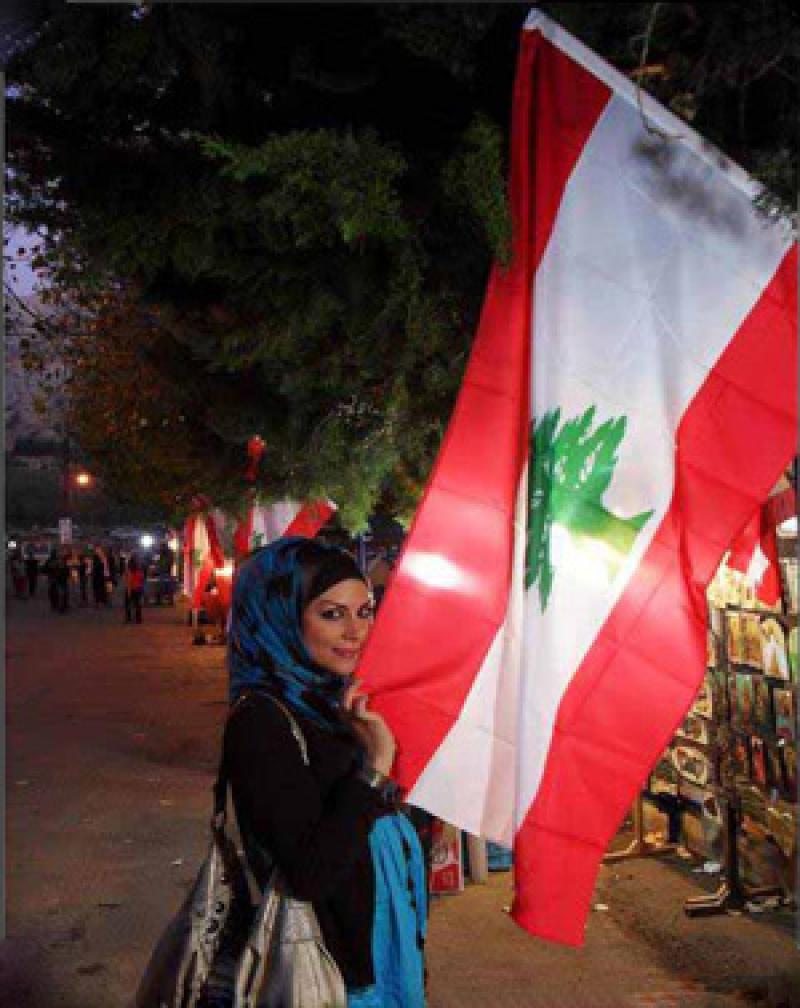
(62, 581)
(31, 570)
(99, 584)
(17, 575)
(134, 590)
(113, 570)
(83, 579)
(164, 565)
(51, 572)
(300, 617)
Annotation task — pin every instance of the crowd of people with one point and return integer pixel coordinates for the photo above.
(90, 575)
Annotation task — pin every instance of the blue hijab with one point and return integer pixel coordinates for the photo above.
(266, 650)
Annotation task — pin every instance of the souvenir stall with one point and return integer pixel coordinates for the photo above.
(725, 791)
(727, 783)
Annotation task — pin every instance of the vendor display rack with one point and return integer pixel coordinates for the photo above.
(727, 782)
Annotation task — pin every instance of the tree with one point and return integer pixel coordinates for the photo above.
(280, 221)
(314, 280)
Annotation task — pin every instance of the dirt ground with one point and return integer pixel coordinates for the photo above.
(112, 734)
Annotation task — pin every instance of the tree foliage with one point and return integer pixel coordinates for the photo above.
(279, 220)
(303, 206)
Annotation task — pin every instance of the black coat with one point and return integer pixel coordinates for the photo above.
(314, 820)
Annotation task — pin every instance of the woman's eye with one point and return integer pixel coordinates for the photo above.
(330, 614)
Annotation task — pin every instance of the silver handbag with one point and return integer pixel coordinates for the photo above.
(285, 963)
(218, 952)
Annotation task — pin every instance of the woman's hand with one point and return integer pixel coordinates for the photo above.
(372, 730)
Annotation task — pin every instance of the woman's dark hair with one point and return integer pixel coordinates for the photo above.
(323, 566)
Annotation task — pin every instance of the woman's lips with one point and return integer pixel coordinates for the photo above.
(347, 653)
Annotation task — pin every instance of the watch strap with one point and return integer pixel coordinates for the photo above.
(385, 786)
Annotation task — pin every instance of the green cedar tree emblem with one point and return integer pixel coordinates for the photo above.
(571, 469)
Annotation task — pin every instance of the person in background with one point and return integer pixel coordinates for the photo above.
(31, 570)
(51, 572)
(82, 568)
(113, 570)
(17, 575)
(164, 564)
(99, 586)
(62, 580)
(134, 590)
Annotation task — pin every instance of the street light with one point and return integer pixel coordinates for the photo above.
(146, 541)
(83, 479)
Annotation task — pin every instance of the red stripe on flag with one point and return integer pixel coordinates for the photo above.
(309, 519)
(214, 545)
(455, 570)
(203, 578)
(733, 442)
(244, 530)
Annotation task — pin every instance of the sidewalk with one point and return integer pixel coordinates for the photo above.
(112, 734)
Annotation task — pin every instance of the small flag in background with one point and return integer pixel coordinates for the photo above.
(629, 402)
(263, 523)
(202, 549)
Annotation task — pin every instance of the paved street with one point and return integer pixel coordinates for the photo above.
(112, 737)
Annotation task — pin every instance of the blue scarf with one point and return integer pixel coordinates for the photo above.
(266, 649)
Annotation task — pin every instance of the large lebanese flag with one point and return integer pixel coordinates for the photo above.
(544, 632)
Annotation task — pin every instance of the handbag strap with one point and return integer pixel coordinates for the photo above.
(222, 782)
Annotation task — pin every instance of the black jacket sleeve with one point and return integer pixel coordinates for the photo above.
(314, 839)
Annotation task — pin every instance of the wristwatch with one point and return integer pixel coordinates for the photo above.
(385, 786)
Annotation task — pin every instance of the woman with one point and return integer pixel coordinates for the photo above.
(301, 612)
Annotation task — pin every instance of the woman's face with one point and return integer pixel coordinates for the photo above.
(336, 624)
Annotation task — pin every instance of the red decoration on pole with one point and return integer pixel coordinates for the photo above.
(255, 449)
(200, 503)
